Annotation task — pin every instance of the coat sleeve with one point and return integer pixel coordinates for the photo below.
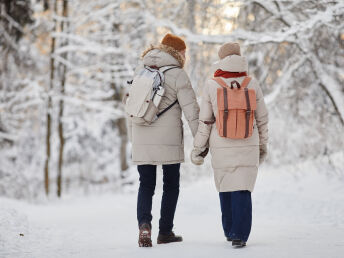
(206, 115)
(261, 115)
(187, 101)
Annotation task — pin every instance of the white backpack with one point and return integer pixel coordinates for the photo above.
(145, 94)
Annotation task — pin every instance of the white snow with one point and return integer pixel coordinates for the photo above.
(296, 214)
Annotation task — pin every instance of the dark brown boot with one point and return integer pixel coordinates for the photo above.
(145, 235)
(238, 243)
(168, 238)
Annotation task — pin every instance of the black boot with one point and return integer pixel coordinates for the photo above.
(238, 243)
(168, 238)
(145, 235)
(229, 239)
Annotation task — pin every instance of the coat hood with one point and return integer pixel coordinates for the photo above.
(162, 55)
(233, 63)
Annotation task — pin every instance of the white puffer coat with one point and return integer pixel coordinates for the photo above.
(162, 141)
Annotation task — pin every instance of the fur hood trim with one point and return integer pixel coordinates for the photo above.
(168, 50)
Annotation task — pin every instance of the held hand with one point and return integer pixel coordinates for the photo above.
(197, 155)
(263, 151)
(204, 153)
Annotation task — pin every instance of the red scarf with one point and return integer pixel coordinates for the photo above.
(226, 74)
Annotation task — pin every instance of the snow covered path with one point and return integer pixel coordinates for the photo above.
(293, 217)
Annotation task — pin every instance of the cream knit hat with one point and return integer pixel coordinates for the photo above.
(228, 49)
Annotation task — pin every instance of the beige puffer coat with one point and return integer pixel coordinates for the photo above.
(235, 161)
(162, 141)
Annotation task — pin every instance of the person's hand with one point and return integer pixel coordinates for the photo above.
(263, 151)
(197, 155)
(204, 153)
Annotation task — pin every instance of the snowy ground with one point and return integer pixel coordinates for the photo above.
(295, 215)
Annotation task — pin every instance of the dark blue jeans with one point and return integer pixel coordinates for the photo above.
(169, 198)
(236, 208)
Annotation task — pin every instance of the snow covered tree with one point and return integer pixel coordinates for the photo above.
(63, 72)
(62, 80)
(295, 49)
(20, 92)
(100, 61)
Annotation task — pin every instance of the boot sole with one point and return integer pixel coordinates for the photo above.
(239, 246)
(145, 241)
(238, 243)
(167, 242)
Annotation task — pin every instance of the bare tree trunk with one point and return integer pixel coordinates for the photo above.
(48, 152)
(46, 5)
(191, 5)
(123, 133)
(49, 107)
(61, 103)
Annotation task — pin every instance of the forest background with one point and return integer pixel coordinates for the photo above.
(64, 65)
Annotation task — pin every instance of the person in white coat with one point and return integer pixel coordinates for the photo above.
(235, 161)
(162, 143)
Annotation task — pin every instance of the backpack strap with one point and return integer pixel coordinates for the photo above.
(166, 109)
(225, 115)
(244, 84)
(220, 82)
(164, 69)
(248, 112)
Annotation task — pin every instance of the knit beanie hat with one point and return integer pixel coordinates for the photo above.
(228, 49)
(174, 41)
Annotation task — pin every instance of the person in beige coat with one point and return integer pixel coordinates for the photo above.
(161, 143)
(235, 161)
